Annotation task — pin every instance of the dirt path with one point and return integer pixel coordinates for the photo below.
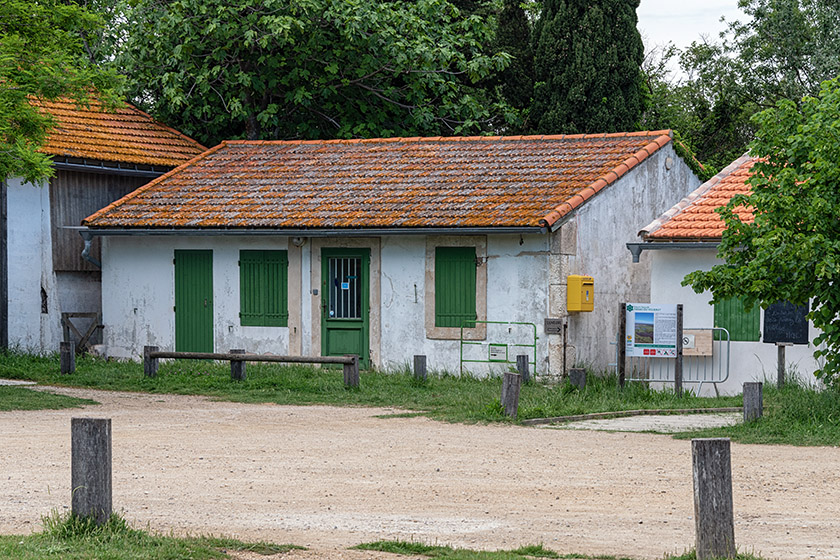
(328, 478)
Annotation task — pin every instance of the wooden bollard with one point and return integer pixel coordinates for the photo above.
(510, 393)
(577, 377)
(522, 368)
(714, 518)
(753, 401)
(237, 367)
(351, 372)
(420, 367)
(67, 357)
(90, 442)
(150, 365)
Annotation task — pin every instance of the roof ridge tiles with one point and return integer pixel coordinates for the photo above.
(602, 182)
(160, 124)
(662, 138)
(693, 196)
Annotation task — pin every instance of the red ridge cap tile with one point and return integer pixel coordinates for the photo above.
(661, 141)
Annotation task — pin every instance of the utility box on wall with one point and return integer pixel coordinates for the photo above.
(580, 293)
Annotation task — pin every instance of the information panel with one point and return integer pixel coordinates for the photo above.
(651, 330)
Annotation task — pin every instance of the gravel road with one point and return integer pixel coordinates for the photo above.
(328, 478)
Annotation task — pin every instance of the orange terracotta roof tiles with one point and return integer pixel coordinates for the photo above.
(383, 183)
(694, 217)
(126, 136)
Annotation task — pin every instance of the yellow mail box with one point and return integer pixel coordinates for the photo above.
(580, 293)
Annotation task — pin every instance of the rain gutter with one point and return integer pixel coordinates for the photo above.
(100, 167)
(372, 232)
(88, 234)
(637, 248)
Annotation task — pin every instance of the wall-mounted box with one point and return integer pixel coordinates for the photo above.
(580, 293)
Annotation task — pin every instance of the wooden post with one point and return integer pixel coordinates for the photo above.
(753, 401)
(150, 365)
(577, 377)
(522, 368)
(678, 365)
(510, 393)
(67, 357)
(420, 367)
(237, 367)
(90, 443)
(622, 344)
(351, 372)
(780, 365)
(714, 517)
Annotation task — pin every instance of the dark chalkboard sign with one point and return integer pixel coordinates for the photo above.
(786, 322)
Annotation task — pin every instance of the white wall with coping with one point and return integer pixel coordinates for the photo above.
(603, 225)
(30, 269)
(138, 297)
(749, 361)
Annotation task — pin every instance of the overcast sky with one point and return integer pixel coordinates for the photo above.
(683, 21)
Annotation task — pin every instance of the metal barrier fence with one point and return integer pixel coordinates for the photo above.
(501, 352)
(712, 369)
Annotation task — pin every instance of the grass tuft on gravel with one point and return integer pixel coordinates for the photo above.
(523, 553)
(70, 537)
(21, 398)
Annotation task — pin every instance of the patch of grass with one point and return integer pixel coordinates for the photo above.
(522, 553)
(73, 538)
(443, 396)
(692, 555)
(449, 553)
(794, 415)
(21, 398)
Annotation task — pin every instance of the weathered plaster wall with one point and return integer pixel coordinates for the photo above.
(750, 361)
(516, 291)
(592, 242)
(30, 269)
(138, 294)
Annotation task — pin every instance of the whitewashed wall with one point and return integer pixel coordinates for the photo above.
(138, 296)
(517, 291)
(750, 361)
(603, 226)
(30, 269)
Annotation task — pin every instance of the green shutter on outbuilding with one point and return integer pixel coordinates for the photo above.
(263, 288)
(742, 325)
(455, 286)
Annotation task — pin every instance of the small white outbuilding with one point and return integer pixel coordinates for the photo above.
(459, 249)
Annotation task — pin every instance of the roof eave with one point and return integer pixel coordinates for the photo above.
(637, 248)
(87, 231)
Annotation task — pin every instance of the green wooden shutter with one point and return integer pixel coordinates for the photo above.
(263, 288)
(742, 325)
(454, 286)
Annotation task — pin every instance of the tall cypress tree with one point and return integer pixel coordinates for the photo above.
(588, 57)
(513, 36)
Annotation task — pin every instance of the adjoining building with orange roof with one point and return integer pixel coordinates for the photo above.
(98, 157)
(685, 239)
(460, 249)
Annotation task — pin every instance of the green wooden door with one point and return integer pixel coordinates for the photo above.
(193, 301)
(345, 289)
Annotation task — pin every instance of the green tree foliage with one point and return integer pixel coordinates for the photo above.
(588, 57)
(783, 50)
(513, 36)
(791, 252)
(275, 69)
(41, 57)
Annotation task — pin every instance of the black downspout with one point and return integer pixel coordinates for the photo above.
(4, 268)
